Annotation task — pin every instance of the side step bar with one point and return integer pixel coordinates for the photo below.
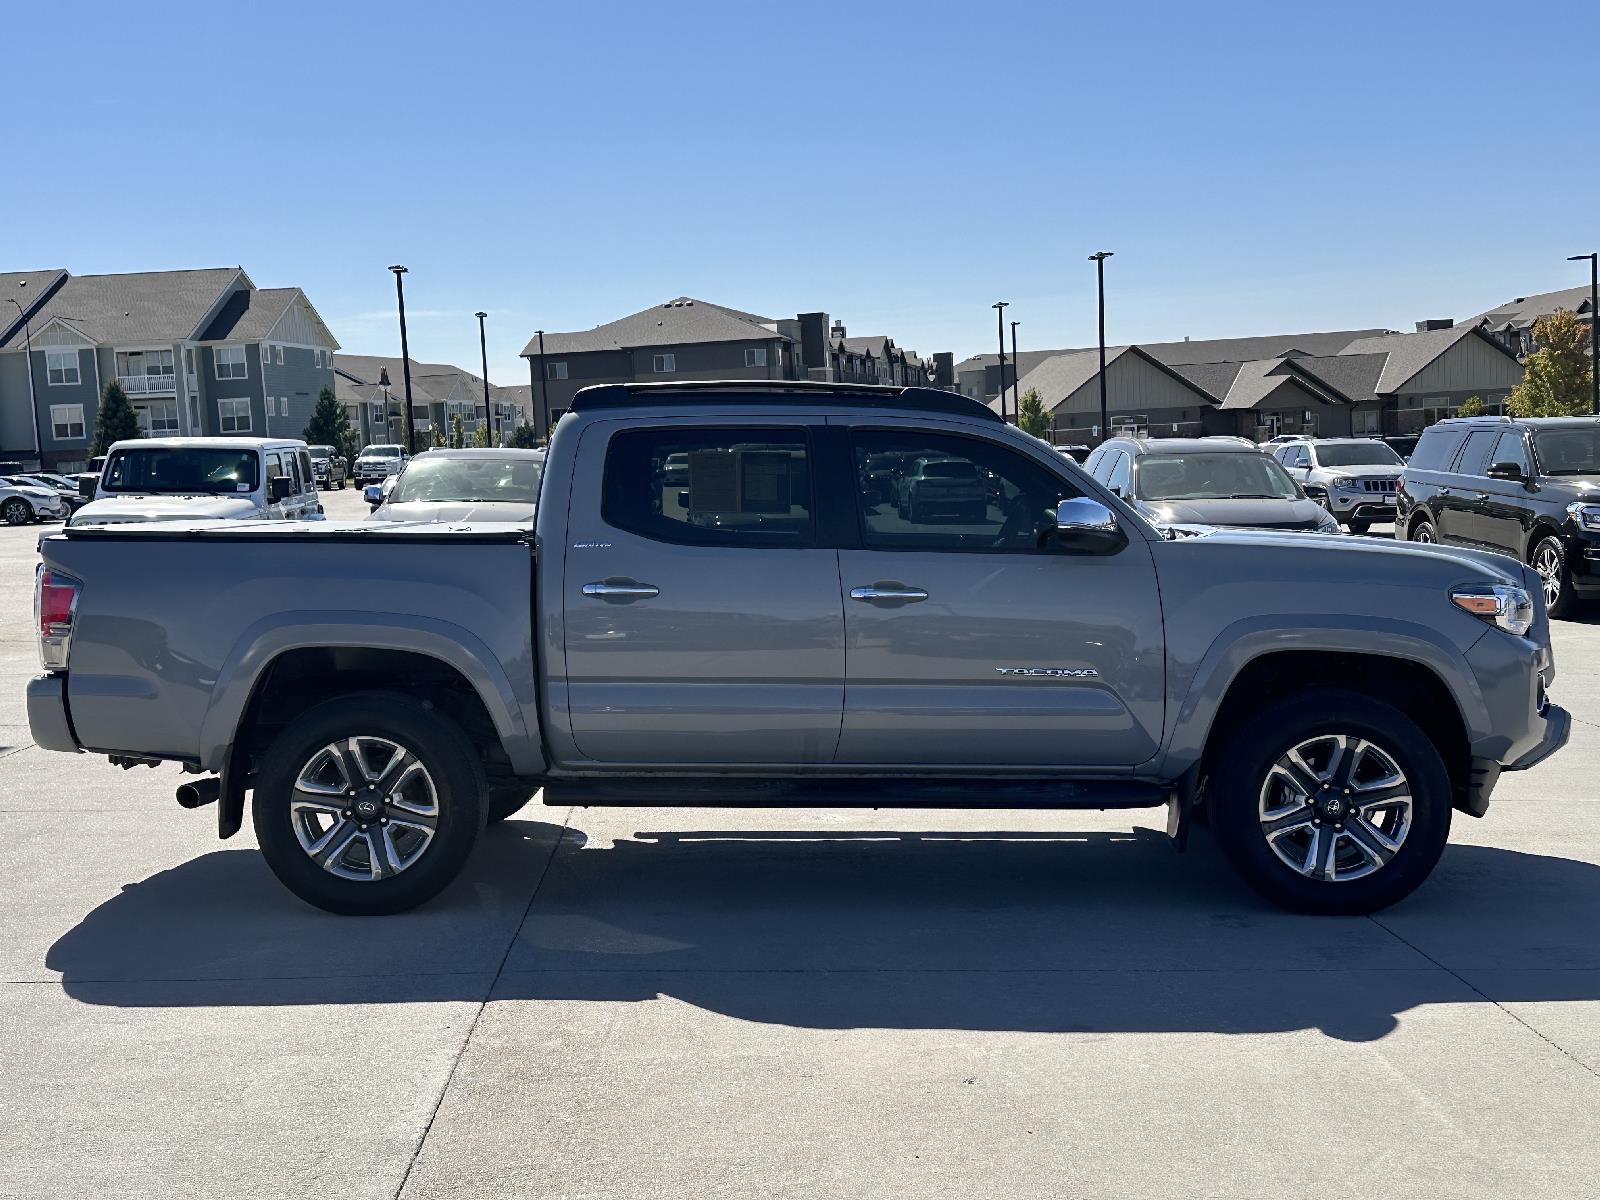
(824, 792)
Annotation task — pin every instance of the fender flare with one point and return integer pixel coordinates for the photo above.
(1248, 639)
(445, 641)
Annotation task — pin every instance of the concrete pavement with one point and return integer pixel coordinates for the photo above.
(663, 1003)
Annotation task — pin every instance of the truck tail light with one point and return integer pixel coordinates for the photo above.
(55, 601)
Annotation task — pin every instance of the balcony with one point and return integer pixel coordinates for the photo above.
(149, 385)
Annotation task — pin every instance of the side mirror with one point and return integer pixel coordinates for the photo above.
(279, 489)
(1089, 525)
(372, 494)
(1507, 470)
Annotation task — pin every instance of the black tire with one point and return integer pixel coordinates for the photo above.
(1359, 527)
(16, 511)
(508, 800)
(1548, 557)
(341, 483)
(1245, 765)
(1422, 531)
(438, 745)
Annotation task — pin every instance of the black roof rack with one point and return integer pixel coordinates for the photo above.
(777, 391)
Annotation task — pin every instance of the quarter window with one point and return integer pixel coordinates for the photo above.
(230, 362)
(233, 416)
(713, 487)
(61, 367)
(941, 492)
(665, 364)
(66, 421)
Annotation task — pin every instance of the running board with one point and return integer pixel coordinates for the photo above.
(668, 791)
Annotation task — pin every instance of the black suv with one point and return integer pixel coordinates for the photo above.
(1206, 481)
(1528, 487)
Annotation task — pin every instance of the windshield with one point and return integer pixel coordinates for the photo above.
(321, 451)
(1351, 454)
(1571, 451)
(1244, 475)
(186, 470)
(487, 477)
(381, 452)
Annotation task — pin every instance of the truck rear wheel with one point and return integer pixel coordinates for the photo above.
(1331, 802)
(369, 803)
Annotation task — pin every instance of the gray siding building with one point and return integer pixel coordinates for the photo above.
(199, 353)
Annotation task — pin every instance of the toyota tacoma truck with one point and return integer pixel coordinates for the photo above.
(722, 601)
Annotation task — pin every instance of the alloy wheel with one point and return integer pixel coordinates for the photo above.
(1547, 562)
(364, 808)
(16, 512)
(1335, 807)
(1423, 534)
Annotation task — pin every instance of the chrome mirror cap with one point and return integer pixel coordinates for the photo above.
(1079, 514)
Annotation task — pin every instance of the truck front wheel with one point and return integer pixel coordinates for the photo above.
(1330, 802)
(369, 803)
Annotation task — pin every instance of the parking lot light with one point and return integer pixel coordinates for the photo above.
(1594, 326)
(1000, 325)
(1099, 259)
(408, 424)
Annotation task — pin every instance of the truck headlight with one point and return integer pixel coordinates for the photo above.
(1502, 604)
(1586, 515)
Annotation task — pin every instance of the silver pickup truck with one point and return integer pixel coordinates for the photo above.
(724, 601)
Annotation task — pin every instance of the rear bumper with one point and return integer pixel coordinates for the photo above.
(47, 714)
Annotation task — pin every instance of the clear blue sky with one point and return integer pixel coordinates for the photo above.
(1262, 167)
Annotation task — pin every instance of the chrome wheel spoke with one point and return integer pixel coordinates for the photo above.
(381, 854)
(1377, 846)
(1335, 807)
(1276, 824)
(394, 771)
(329, 849)
(1318, 862)
(342, 807)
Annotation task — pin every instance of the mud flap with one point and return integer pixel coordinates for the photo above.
(1178, 819)
(230, 804)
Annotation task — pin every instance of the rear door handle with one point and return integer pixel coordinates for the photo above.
(892, 592)
(621, 589)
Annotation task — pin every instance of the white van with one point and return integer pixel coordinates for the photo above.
(203, 478)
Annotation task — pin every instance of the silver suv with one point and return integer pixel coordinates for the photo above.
(1353, 478)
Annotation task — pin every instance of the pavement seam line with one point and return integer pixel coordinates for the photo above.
(1473, 988)
(472, 1026)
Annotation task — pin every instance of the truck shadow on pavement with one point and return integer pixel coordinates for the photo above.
(995, 930)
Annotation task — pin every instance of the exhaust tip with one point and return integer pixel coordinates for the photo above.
(199, 793)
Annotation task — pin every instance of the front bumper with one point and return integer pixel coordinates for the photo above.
(1362, 506)
(48, 722)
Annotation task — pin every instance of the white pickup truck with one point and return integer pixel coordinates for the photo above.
(190, 479)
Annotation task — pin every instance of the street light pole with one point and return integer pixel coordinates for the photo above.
(1594, 327)
(1016, 376)
(1099, 259)
(544, 392)
(1000, 325)
(483, 348)
(408, 423)
(27, 341)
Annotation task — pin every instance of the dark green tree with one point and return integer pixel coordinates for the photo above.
(458, 434)
(1031, 416)
(481, 436)
(115, 421)
(523, 437)
(330, 426)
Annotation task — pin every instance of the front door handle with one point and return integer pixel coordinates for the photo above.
(893, 593)
(621, 589)
(1444, 491)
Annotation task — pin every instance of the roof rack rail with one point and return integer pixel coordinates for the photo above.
(777, 391)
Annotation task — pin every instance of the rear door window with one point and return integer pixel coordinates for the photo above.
(1474, 458)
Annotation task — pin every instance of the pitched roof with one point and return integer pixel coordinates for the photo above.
(1059, 376)
(1409, 353)
(1212, 350)
(678, 322)
(441, 377)
(28, 289)
(249, 315)
(1522, 312)
(1212, 378)
(138, 308)
(1352, 375)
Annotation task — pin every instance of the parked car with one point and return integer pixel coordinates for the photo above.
(64, 488)
(776, 636)
(1353, 478)
(948, 488)
(1077, 452)
(1206, 481)
(472, 485)
(328, 466)
(1527, 487)
(22, 501)
(376, 463)
(205, 479)
(89, 480)
(1404, 445)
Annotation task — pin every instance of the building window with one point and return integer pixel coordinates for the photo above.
(665, 364)
(555, 370)
(283, 406)
(188, 365)
(230, 363)
(277, 355)
(233, 416)
(66, 421)
(755, 356)
(61, 367)
(163, 418)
